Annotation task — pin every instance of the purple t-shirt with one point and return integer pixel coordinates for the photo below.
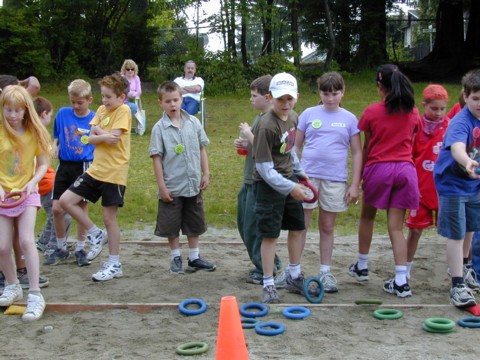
(327, 142)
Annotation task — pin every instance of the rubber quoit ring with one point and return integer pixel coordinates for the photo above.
(276, 328)
(22, 196)
(192, 348)
(312, 188)
(296, 312)
(252, 314)
(312, 299)
(387, 314)
(470, 322)
(426, 328)
(439, 323)
(248, 323)
(182, 307)
(368, 302)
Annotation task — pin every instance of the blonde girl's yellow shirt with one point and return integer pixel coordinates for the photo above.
(110, 162)
(17, 163)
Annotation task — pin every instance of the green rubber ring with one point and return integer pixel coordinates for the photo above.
(439, 323)
(192, 348)
(387, 314)
(429, 329)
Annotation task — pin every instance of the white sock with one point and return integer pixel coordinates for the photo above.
(62, 243)
(409, 269)
(400, 274)
(268, 281)
(174, 253)
(294, 270)
(114, 259)
(324, 268)
(193, 254)
(79, 245)
(362, 261)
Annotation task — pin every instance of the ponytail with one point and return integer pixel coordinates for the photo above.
(399, 96)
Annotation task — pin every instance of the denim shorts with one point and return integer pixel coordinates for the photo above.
(458, 215)
(391, 185)
(276, 212)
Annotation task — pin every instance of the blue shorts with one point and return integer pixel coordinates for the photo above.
(391, 185)
(276, 212)
(458, 215)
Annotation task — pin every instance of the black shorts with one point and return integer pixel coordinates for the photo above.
(66, 174)
(92, 189)
(183, 213)
(276, 212)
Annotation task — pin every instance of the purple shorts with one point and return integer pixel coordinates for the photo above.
(388, 185)
(32, 200)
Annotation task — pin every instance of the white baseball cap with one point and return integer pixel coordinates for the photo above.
(283, 84)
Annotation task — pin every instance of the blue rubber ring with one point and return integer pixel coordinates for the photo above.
(470, 322)
(296, 312)
(263, 310)
(276, 328)
(310, 298)
(249, 323)
(182, 307)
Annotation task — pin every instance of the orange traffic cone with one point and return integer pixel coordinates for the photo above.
(230, 338)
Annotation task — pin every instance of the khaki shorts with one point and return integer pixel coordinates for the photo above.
(331, 195)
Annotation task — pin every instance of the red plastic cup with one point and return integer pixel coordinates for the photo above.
(242, 152)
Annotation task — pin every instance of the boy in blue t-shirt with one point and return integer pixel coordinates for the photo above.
(70, 146)
(458, 187)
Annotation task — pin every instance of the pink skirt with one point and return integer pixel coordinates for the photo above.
(32, 200)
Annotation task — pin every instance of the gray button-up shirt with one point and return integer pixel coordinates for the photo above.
(181, 168)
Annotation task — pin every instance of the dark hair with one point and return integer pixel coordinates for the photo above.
(41, 104)
(6, 80)
(399, 96)
(330, 81)
(471, 81)
(261, 84)
(168, 87)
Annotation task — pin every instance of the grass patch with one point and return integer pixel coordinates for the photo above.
(224, 113)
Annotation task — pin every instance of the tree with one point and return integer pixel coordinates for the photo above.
(451, 55)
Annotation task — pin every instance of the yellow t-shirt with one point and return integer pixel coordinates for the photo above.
(17, 164)
(110, 162)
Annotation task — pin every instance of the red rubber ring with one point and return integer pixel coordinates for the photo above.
(10, 204)
(312, 188)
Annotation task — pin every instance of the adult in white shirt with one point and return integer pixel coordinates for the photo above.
(192, 87)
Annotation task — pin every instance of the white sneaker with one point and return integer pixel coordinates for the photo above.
(281, 279)
(470, 278)
(11, 294)
(96, 244)
(328, 281)
(35, 307)
(108, 272)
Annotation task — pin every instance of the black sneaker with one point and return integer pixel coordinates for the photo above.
(81, 257)
(461, 296)
(360, 275)
(402, 291)
(200, 264)
(25, 284)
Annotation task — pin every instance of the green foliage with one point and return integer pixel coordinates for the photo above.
(271, 64)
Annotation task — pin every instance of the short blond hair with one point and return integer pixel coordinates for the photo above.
(130, 64)
(80, 88)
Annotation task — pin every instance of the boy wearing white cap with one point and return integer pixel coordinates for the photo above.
(278, 194)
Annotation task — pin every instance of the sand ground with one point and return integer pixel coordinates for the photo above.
(337, 328)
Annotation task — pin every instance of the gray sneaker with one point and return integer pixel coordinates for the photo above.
(59, 256)
(296, 286)
(176, 265)
(96, 244)
(25, 284)
(329, 282)
(270, 295)
(281, 279)
(81, 257)
(461, 296)
(35, 307)
(12, 293)
(470, 278)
